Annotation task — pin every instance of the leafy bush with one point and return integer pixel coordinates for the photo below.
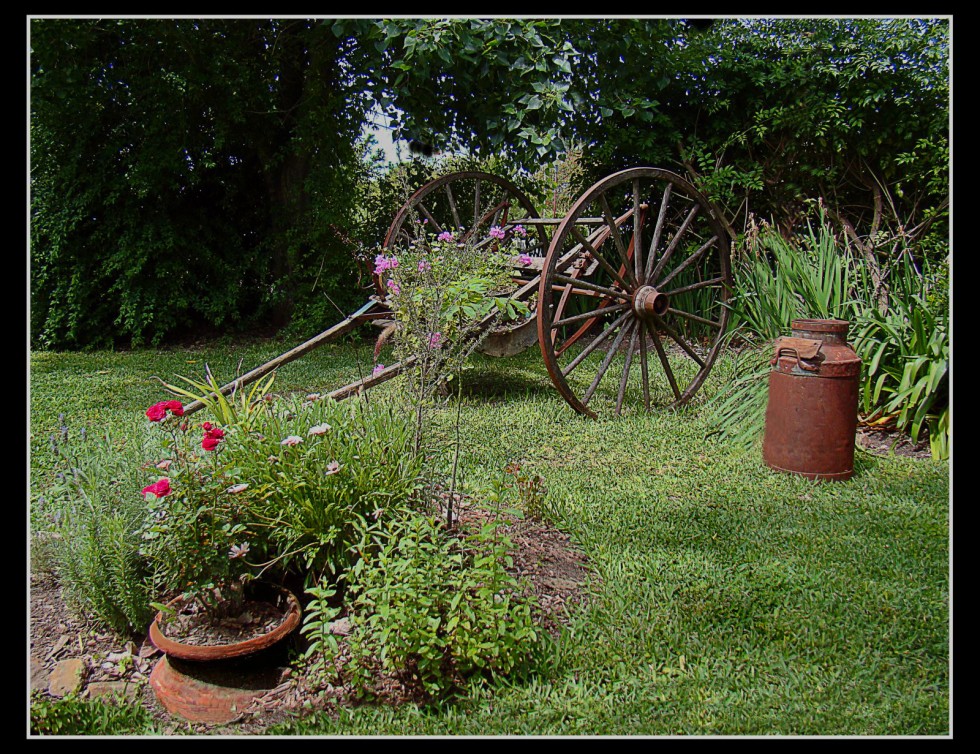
(778, 280)
(905, 351)
(319, 472)
(97, 512)
(441, 612)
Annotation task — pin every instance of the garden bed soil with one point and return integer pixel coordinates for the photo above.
(554, 570)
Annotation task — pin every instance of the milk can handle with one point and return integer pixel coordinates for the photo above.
(801, 364)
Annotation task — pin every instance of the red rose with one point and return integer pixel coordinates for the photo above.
(158, 411)
(175, 407)
(212, 436)
(160, 488)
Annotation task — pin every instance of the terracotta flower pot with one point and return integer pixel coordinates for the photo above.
(202, 653)
(211, 684)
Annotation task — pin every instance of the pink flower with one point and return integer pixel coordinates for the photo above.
(435, 340)
(445, 236)
(497, 232)
(382, 263)
(524, 259)
(164, 464)
(236, 488)
(424, 266)
(160, 488)
(158, 411)
(520, 230)
(319, 429)
(332, 468)
(292, 440)
(378, 368)
(210, 443)
(394, 287)
(238, 551)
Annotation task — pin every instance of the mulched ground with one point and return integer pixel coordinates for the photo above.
(554, 569)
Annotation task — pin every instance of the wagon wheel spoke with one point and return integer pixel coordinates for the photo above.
(658, 229)
(668, 252)
(626, 367)
(457, 223)
(665, 362)
(578, 284)
(599, 258)
(428, 216)
(613, 226)
(672, 334)
(594, 345)
(605, 312)
(637, 233)
(655, 227)
(686, 263)
(644, 373)
(610, 355)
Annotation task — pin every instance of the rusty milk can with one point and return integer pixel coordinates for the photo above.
(811, 417)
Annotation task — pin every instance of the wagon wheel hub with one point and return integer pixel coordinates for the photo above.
(648, 301)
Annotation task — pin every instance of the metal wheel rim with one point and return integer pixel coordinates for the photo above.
(654, 187)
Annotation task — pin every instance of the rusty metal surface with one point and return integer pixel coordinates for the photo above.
(811, 415)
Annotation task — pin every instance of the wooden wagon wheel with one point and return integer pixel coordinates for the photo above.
(648, 285)
(468, 203)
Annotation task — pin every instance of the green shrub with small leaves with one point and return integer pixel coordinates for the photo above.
(96, 511)
(439, 611)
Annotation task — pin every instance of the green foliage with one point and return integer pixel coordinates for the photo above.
(96, 511)
(234, 141)
(322, 645)
(319, 473)
(243, 407)
(531, 492)
(778, 280)
(439, 612)
(903, 341)
(72, 716)
(807, 276)
(906, 353)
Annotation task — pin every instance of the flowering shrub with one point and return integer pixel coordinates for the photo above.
(288, 493)
(446, 290)
(196, 533)
(320, 473)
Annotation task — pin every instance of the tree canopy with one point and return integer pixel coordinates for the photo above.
(190, 173)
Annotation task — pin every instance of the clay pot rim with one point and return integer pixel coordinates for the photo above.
(197, 652)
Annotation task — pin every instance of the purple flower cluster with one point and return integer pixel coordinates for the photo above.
(382, 263)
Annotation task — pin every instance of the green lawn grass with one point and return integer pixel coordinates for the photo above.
(725, 598)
